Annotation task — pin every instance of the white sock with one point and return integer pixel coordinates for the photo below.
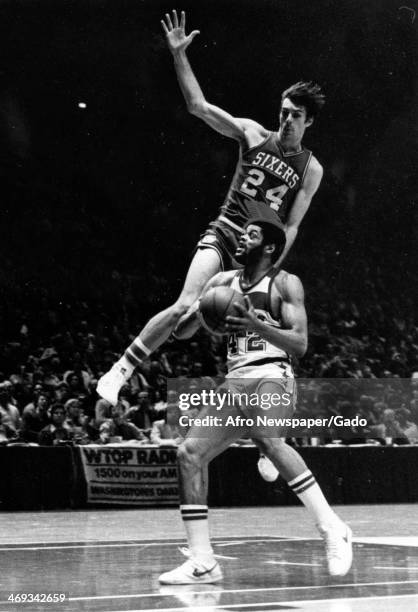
(133, 356)
(310, 494)
(195, 518)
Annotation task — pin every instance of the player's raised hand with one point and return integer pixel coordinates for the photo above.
(176, 32)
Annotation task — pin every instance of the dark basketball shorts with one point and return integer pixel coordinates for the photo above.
(222, 239)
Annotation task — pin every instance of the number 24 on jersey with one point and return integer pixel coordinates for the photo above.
(274, 196)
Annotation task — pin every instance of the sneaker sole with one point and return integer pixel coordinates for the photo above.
(105, 396)
(191, 581)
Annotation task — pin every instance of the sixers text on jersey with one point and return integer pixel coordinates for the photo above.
(265, 174)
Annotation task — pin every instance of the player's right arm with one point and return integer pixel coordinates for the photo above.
(218, 119)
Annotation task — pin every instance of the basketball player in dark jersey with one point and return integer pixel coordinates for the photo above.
(274, 170)
(263, 337)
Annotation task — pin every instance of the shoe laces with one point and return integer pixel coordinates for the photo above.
(191, 559)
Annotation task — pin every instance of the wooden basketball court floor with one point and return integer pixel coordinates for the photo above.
(109, 561)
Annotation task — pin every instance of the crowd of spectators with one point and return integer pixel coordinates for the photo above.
(54, 351)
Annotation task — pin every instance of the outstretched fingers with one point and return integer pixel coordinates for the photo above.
(175, 18)
(169, 23)
(174, 29)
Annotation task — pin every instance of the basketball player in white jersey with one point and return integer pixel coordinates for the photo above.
(263, 338)
(274, 170)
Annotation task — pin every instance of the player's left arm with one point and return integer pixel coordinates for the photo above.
(301, 204)
(293, 337)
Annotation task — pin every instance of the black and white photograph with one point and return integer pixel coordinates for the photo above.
(208, 313)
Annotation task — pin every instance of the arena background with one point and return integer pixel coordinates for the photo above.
(106, 183)
(109, 200)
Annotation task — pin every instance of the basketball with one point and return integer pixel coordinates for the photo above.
(216, 305)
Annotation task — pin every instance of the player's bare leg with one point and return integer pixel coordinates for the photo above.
(205, 264)
(194, 455)
(336, 534)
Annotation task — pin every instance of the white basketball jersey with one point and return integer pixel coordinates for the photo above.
(247, 348)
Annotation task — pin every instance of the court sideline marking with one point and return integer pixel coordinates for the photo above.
(139, 544)
(273, 603)
(255, 590)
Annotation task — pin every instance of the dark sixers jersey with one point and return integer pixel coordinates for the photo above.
(265, 174)
(247, 347)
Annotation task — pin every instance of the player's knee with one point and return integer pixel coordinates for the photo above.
(268, 446)
(188, 456)
(178, 309)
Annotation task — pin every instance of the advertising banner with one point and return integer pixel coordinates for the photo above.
(130, 475)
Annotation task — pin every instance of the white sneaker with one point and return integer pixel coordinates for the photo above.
(267, 470)
(193, 572)
(111, 383)
(338, 547)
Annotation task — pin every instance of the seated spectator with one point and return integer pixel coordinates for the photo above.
(51, 366)
(366, 410)
(389, 428)
(102, 411)
(413, 405)
(118, 428)
(125, 396)
(78, 423)
(9, 412)
(78, 378)
(168, 431)
(156, 376)
(75, 384)
(61, 392)
(57, 432)
(33, 392)
(72, 409)
(139, 380)
(7, 433)
(160, 406)
(89, 403)
(35, 418)
(141, 414)
(351, 434)
(409, 428)
(85, 432)
(17, 389)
